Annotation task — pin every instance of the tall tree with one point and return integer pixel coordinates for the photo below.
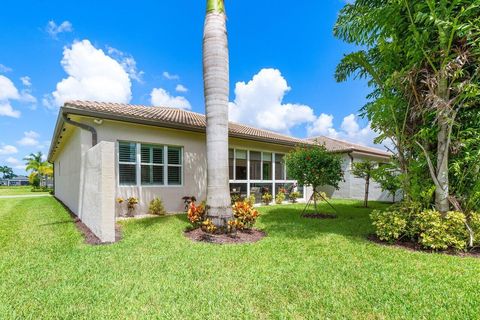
(365, 170)
(216, 91)
(422, 58)
(7, 172)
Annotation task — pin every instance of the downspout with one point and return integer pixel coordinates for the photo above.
(82, 126)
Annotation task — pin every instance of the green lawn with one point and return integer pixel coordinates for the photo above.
(304, 269)
(16, 191)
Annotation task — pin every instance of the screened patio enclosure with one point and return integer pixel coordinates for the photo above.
(254, 172)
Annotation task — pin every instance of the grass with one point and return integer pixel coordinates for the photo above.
(304, 269)
(17, 191)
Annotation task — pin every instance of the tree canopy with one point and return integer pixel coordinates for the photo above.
(314, 166)
(421, 59)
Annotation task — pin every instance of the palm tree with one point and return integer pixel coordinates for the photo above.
(216, 86)
(38, 167)
(34, 161)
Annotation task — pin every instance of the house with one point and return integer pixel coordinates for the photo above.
(105, 151)
(15, 182)
(353, 187)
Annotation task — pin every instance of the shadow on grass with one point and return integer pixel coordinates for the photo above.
(153, 221)
(287, 222)
(56, 223)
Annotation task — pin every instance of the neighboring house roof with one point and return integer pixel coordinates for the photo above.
(189, 121)
(336, 145)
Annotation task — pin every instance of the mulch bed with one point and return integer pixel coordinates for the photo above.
(319, 216)
(247, 236)
(90, 237)
(413, 246)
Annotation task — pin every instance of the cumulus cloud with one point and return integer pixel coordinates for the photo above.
(350, 130)
(160, 97)
(181, 88)
(30, 138)
(26, 81)
(260, 103)
(7, 149)
(4, 68)
(128, 63)
(8, 92)
(169, 76)
(15, 163)
(54, 30)
(92, 75)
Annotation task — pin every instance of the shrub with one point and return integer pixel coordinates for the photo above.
(320, 196)
(389, 225)
(208, 226)
(245, 216)
(279, 198)
(196, 214)
(267, 198)
(187, 200)
(251, 200)
(474, 223)
(437, 233)
(294, 196)
(131, 205)
(156, 207)
(236, 198)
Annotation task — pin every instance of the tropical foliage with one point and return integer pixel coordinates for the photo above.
(7, 172)
(365, 170)
(421, 58)
(40, 170)
(314, 166)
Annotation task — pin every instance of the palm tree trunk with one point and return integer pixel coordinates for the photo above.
(216, 86)
(442, 191)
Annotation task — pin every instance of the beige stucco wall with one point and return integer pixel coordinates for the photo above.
(68, 167)
(353, 187)
(97, 194)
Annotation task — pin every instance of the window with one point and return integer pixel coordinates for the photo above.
(240, 165)
(279, 167)
(152, 164)
(267, 166)
(127, 159)
(174, 166)
(147, 164)
(255, 165)
(230, 164)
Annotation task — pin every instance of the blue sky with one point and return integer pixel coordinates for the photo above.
(282, 60)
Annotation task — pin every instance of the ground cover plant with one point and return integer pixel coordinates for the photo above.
(304, 269)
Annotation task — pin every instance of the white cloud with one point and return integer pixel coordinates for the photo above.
(7, 110)
(26, 81)
(8, 92)
(169, 76)
(15, 163)
(160, 97)
(181, 88)
(260, 103)
(7, 149)
(128, 63)
(30, 138)
(4, 68)
(53, 29)
(92, 75)
(350, 130)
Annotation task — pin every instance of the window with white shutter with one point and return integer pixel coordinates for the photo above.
(127, 163)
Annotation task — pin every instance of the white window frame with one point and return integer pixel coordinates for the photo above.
(138, 166)
(273, 182)
(152, 164)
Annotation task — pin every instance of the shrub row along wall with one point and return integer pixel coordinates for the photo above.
(97, 191)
